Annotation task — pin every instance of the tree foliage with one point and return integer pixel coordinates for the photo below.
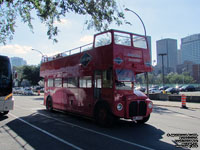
(101, 12)
(30, 73)
(171, 78)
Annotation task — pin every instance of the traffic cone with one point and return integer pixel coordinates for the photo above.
(183, 101)
(38, 92)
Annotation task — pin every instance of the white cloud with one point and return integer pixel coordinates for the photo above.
(87, 39)
(15, 49)
(62, 22)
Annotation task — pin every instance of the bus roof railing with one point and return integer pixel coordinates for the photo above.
(70, 52)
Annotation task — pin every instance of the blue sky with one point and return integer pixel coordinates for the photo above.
(162, 18)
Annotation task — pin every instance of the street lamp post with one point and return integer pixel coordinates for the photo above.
(39, 52)
(162, 55)
(145, 33)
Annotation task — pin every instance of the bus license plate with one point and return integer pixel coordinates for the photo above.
(137, 118)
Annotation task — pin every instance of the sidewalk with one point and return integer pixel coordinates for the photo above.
(175, 104)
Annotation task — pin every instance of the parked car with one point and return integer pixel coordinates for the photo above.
(154, 90)
(27, 91)
(172, 90)
(18, 90)
(163, 88)
(142, 89)
(15, 90)
(187, 88)
(35, 89)
(155, 86)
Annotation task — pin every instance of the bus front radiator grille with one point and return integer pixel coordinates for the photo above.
(137, 108)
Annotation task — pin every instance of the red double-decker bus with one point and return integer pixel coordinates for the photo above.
(97, 80)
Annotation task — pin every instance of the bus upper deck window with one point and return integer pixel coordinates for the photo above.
(139, 42)
(103, 39)
(122, 38)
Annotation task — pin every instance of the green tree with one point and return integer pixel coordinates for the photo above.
(31, 73)
(101, 12)
(174, 78)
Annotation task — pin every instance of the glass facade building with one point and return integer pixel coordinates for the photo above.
(190, 48)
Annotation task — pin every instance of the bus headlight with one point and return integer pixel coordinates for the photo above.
(119, 107)
(150, 105)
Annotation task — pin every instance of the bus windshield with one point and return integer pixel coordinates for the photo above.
(5, 76)
(124, 79)
(125, 75)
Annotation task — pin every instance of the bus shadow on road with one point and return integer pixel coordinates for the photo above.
(69, 126)
(38, 98)
(3, 117)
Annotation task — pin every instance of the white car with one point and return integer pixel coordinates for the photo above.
(18, 90)
(27, 91)
(154, 90)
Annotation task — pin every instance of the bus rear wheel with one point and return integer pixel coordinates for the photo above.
(103, 116)
(49, 104)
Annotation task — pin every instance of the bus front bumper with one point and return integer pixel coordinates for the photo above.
(6, 105)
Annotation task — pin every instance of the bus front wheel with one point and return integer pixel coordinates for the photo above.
(49, 104)
(4, 113)
(145, 119)
(103, 116)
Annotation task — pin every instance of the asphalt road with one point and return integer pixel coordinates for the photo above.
(30, 126)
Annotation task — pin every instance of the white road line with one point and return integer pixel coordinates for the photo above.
(45, 132)
(93, 131)
(96, 132)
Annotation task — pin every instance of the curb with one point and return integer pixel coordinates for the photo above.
(175, 106)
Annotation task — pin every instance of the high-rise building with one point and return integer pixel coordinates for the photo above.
(17, 61)
(179, 56)
(190, 48)
(167, 50)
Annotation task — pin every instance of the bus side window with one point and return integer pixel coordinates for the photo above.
(50, 83)
(107, 78)
(72, 82)
(85, 82)
(58, 82)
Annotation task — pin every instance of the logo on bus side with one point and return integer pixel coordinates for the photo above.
(118, 60)
(85, 59)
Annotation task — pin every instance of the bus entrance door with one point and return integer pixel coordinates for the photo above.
(97, 84)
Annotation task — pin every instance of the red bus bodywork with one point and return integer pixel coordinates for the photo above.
(79, 80)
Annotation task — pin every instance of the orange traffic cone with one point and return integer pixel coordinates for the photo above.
(183, 101)
(38, 92)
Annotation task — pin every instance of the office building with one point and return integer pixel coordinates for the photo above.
(17, 61)
(190, 48)
(167, 50)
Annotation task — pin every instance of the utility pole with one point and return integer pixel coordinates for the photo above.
(162, 55)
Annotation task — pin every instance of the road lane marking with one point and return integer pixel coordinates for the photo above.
(96, 132)
(45, 132)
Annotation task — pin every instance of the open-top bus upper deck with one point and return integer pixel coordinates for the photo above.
(112, 48)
